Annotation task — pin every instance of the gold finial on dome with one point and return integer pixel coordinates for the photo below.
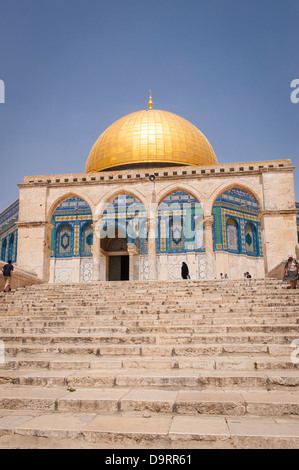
(150, 103)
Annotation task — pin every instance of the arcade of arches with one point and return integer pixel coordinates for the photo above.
(180, 236)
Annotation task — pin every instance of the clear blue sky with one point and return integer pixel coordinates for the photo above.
(73, 67)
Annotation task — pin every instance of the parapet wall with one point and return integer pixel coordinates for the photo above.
(20, 278)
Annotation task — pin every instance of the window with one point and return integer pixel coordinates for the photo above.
(64, 241)
(232, 235)
(86, 240)
(176, 234)
(3, 249)
(250, 239)
(11, 247)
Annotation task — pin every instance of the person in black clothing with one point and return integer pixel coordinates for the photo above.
(185, 271)
(7, 270)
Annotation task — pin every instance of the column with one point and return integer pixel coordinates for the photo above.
(99, 259)
(133, 252)
(34, 248)
(208, 234)
(279, 236)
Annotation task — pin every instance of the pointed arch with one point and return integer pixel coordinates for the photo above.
(113, 194)
(176, 187)
(60, 199)
(240, 184)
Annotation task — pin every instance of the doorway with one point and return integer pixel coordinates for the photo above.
(119, 268)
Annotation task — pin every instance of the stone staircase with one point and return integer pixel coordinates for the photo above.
(184, 364)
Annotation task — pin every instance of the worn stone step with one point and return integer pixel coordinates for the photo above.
(75, 362)
(117, 400)
(151, 338)
(232, 349)
(168, 378)
(89, 430)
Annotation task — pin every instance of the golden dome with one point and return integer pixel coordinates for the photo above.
(150, 138)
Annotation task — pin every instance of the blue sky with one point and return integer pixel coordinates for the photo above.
(71, 68)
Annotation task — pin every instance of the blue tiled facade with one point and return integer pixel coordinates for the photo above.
(236, 225)
(180, 229)
(72, 230)
(9, 232)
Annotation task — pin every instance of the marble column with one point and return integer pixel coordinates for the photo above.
(208, 234)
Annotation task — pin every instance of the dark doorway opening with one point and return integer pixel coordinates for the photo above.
(119, 268)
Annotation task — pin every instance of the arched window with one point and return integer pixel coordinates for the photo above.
(176, 234)
(3, 249)
(251, 241)
(177, 228)
(232, 235)
(64, 241)
(86, 240)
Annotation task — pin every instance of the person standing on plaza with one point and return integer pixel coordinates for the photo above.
(7, 270)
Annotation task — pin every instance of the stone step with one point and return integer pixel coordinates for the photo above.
(20, 324)
(165, 379)
(157, 329)
(185, 309)
(76, 362)
(36, 429)
(119, 400)
(109, 350)
(157, 315)
(152, 295)
(151, 338)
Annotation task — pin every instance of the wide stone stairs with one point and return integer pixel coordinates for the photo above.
(183, 364)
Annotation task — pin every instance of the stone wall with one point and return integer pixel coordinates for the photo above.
(70, 270)
(278, 271)
(235, 265)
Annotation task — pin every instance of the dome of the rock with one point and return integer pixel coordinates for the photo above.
(150, 138)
